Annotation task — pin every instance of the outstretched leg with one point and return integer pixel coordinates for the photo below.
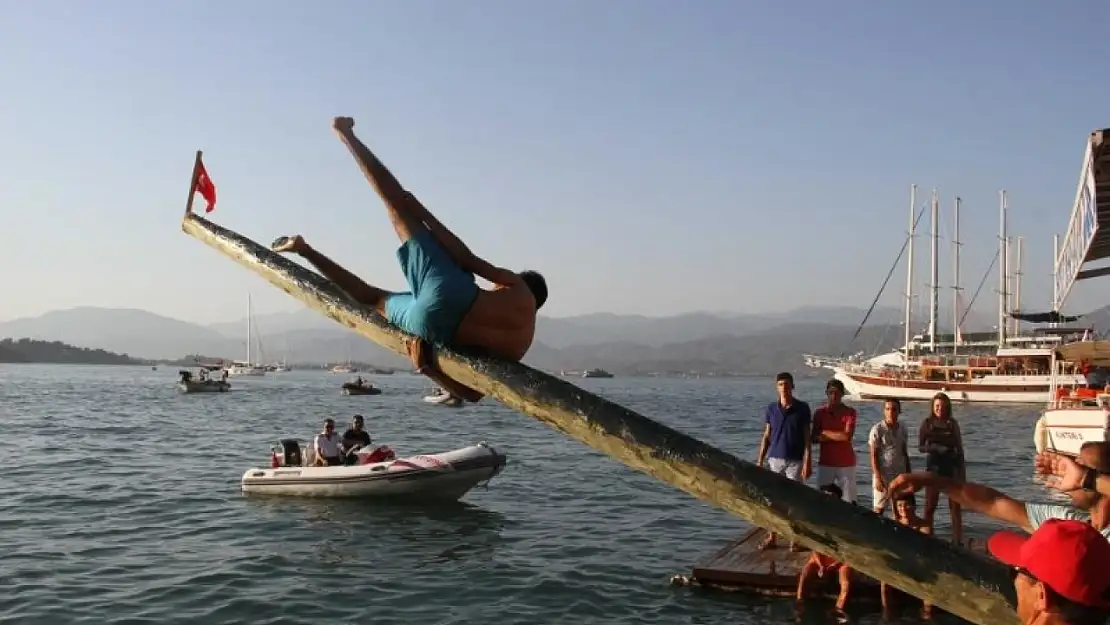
(388, 187)
(347, 282)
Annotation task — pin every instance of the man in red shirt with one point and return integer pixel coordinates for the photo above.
(835, 425)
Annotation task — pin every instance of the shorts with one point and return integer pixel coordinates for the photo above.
(790, 468)
(879, 502)
(844, 477)
(441, 292)
(944, 465)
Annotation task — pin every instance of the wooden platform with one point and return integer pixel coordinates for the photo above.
(741, 566)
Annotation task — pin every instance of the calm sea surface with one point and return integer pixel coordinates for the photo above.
(121, 504)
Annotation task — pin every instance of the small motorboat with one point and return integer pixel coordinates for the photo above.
(188, 384)
(443, 398)
(355, 388)
(377, 473)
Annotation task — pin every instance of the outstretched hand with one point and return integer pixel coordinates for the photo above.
(908, 483)
(1062, 472)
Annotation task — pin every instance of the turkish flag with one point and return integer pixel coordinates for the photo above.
(204, 185)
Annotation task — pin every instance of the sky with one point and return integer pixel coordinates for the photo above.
(648, 156)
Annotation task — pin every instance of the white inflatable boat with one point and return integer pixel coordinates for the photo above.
(444, 476)
(443, 398)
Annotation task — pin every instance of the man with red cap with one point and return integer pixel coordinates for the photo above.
(1062, 572)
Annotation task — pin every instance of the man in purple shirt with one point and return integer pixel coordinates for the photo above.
(786, 439)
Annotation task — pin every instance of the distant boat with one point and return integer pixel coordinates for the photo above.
(442, 397)
(596, 373)
(188, 384)
(360, 387)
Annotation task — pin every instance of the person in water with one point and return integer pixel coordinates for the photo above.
(939, 438)
(1059, 573)
(444, 305)
(904, 509)
(823, 566)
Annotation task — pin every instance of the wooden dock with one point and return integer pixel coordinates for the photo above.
(741, 566)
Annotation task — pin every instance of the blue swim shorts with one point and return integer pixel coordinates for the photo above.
(441, 292)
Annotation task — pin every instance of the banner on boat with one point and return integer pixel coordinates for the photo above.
(1081, 233)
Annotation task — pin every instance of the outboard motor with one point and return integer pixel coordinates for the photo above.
(292, 451)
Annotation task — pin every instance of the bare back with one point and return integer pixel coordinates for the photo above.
(502, 321)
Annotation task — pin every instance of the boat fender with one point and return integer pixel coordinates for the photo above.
(1040, 435)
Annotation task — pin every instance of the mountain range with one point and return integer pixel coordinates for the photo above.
(705, 342)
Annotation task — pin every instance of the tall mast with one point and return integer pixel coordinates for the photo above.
(934, 277)
(249, 329)
(1002, 269)
(1055, 260)
(956, 276)
(1017, 285)
(909, 275)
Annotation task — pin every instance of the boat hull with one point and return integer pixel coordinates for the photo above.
(240, 372)
(443, 400)
(212, 386)
(436, 477)
(354, 390)
(1016, 389)
(1065, 430)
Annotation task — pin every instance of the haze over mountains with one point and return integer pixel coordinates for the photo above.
(627, 344)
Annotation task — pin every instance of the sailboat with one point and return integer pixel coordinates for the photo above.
(247, 367)
(1007, 367)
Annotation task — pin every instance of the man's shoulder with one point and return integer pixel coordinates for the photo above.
(1040, 512)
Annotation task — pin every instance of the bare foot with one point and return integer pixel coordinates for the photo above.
(292, 244)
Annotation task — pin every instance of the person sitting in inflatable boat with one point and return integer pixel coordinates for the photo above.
(354, 439)
(328, 446)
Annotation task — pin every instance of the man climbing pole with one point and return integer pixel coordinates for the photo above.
(444, 306)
